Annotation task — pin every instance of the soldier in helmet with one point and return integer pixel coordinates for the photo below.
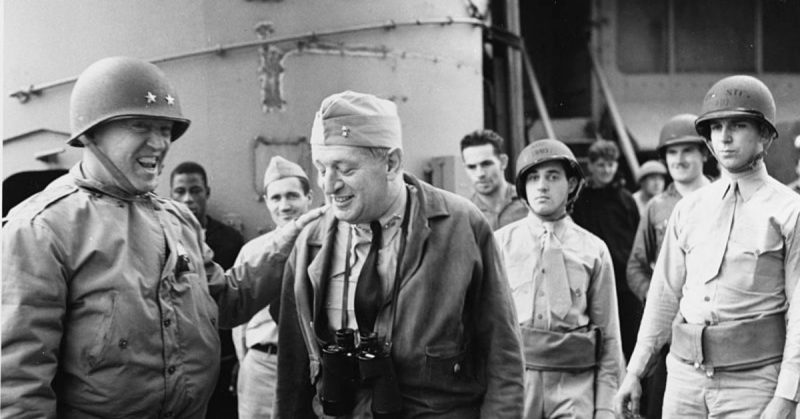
(652, 179)
(562, 281)
(723, 284)
(111, 300)
(685, 153)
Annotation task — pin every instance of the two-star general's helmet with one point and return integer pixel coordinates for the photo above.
(737, 96)
(542, 151)
(121, 88)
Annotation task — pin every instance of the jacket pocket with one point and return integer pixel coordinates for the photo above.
(206, 305)
(450, 376)
(103, 330)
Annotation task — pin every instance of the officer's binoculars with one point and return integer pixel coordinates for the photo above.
(346, 368)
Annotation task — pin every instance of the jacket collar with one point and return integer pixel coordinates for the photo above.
(113, 191)
(510, 196)
(425, 205)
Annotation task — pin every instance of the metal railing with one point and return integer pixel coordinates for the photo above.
(25, 94)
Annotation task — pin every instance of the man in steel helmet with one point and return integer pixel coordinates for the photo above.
(567, 308)
(111, 300)
(652, 179)
(723, 284)
(685, 153)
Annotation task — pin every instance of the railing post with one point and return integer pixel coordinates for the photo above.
(619, 126)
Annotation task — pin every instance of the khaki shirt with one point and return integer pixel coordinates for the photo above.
(649, 236)
(757, 277)
(591, 279)
(261, 328)
(513, 209)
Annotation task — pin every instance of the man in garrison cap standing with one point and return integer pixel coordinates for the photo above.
(287, 194)
(395, 303)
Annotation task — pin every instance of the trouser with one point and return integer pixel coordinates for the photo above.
(555, 394)
(258, 374)
(697, 393)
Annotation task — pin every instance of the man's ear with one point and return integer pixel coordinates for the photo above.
(503, 161)
(572, 184)
(394, 162)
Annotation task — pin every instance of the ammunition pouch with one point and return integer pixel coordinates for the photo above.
(573, 351)
(730, 346)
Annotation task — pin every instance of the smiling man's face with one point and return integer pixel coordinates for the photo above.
(137, 147)
(355, 182)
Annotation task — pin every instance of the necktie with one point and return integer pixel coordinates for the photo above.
(369, 296)
(556, 285)
(720, 232)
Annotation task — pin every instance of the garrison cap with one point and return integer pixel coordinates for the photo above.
(357, 119)
(280, 168)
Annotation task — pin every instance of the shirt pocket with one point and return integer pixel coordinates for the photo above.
(698, 245)
(755, 258)
(578, 278)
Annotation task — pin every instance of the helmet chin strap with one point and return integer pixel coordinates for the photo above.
(108, 165)
(750, 164)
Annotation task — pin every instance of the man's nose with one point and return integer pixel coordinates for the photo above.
(158, 140)
(541, 185)
(330, 181)
(725, 133)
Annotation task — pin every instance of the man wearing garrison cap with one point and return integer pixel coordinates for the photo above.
(287, 194)
(394, 303)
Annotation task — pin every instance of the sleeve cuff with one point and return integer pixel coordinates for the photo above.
(788, 383)
(604, 398)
